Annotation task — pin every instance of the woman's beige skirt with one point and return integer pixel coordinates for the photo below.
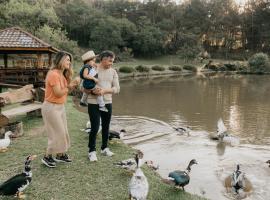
(54, 117)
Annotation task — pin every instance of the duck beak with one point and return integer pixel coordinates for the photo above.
(33, 157)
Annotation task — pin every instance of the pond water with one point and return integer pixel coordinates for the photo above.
(149, 109)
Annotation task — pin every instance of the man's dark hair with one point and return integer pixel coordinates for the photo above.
(106, 54)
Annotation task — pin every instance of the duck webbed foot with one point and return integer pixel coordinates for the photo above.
(2, 150)
(20, 195)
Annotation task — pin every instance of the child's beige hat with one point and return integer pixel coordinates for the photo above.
(88, 55)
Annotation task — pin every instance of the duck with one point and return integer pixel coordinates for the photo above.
(116, 134)
(4, 143)
(268, 162)
(151, 165)
(130, 164)
(223, 135)
(182, 178)
(138, 186)
(238, 182)
(18, 183)
(183, 130)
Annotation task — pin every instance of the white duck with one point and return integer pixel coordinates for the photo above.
(224, 136)
(4, 143)
(138, 186)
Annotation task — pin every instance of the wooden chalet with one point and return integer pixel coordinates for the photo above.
(24, 59)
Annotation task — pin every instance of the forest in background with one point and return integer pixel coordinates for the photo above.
(145, 28)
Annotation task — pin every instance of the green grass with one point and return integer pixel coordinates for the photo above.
(80, 179)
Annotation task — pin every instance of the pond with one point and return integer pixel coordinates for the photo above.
(149, 109)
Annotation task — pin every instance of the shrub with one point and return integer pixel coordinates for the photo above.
(259, 62)
(126, 69)
(158, 68)
(190, 68)
(230, 67)
(175, 68)
(141, 68)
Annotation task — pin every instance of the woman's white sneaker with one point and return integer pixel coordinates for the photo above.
(92, 156)
(107, 152)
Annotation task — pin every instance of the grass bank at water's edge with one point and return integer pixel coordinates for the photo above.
(80, 179)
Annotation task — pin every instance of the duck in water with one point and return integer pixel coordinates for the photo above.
(238, 182)
(223, 135)
(268, 162)
(18, 183)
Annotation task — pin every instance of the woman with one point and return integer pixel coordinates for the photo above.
(57, 85)
(108, 84)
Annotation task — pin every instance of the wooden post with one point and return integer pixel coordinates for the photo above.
(50, 60)
(5, 60)
(39, 60)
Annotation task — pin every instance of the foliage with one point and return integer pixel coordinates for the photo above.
(158, 68)
(188, 52)
(148, 41)
(175, 68)
(29, 16)
(149, 28)
(125, 55)
(259, 62)
(126, 69)
(190, 68)
(141, 68)
(58, 38)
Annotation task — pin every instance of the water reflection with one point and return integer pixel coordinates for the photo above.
(196, 101)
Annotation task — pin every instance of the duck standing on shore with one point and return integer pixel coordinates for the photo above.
(182, 178)
(116, 134)
(138, 186)
(130, 164)
(18, 183)
(4, 143)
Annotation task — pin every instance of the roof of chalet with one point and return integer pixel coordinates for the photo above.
(16, 39)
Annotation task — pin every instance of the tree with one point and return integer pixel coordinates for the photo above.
(29, 16)
(59, 39)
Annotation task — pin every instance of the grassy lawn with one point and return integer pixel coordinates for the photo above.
(80, 179)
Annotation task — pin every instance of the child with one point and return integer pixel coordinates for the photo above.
(89, 76)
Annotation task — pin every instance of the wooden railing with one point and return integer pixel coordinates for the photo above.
(26, 76)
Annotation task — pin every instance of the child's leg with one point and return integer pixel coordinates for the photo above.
(100, 101)
(84, 98)
(101, 104)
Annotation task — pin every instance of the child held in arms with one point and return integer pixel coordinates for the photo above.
(89, 75)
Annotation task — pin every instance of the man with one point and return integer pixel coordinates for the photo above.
(108, 83)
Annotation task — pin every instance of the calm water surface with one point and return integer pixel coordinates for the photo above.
(149, 109)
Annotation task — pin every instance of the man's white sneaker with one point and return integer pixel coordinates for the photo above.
(92, 156)
(107, 152)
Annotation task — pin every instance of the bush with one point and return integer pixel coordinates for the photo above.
(175, 68)
(190, 68)
(158, 68)
(230, 67)
(259, 63)
(126, 69)
(141, 68)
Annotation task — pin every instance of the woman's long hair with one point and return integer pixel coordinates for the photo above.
(58, 64)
